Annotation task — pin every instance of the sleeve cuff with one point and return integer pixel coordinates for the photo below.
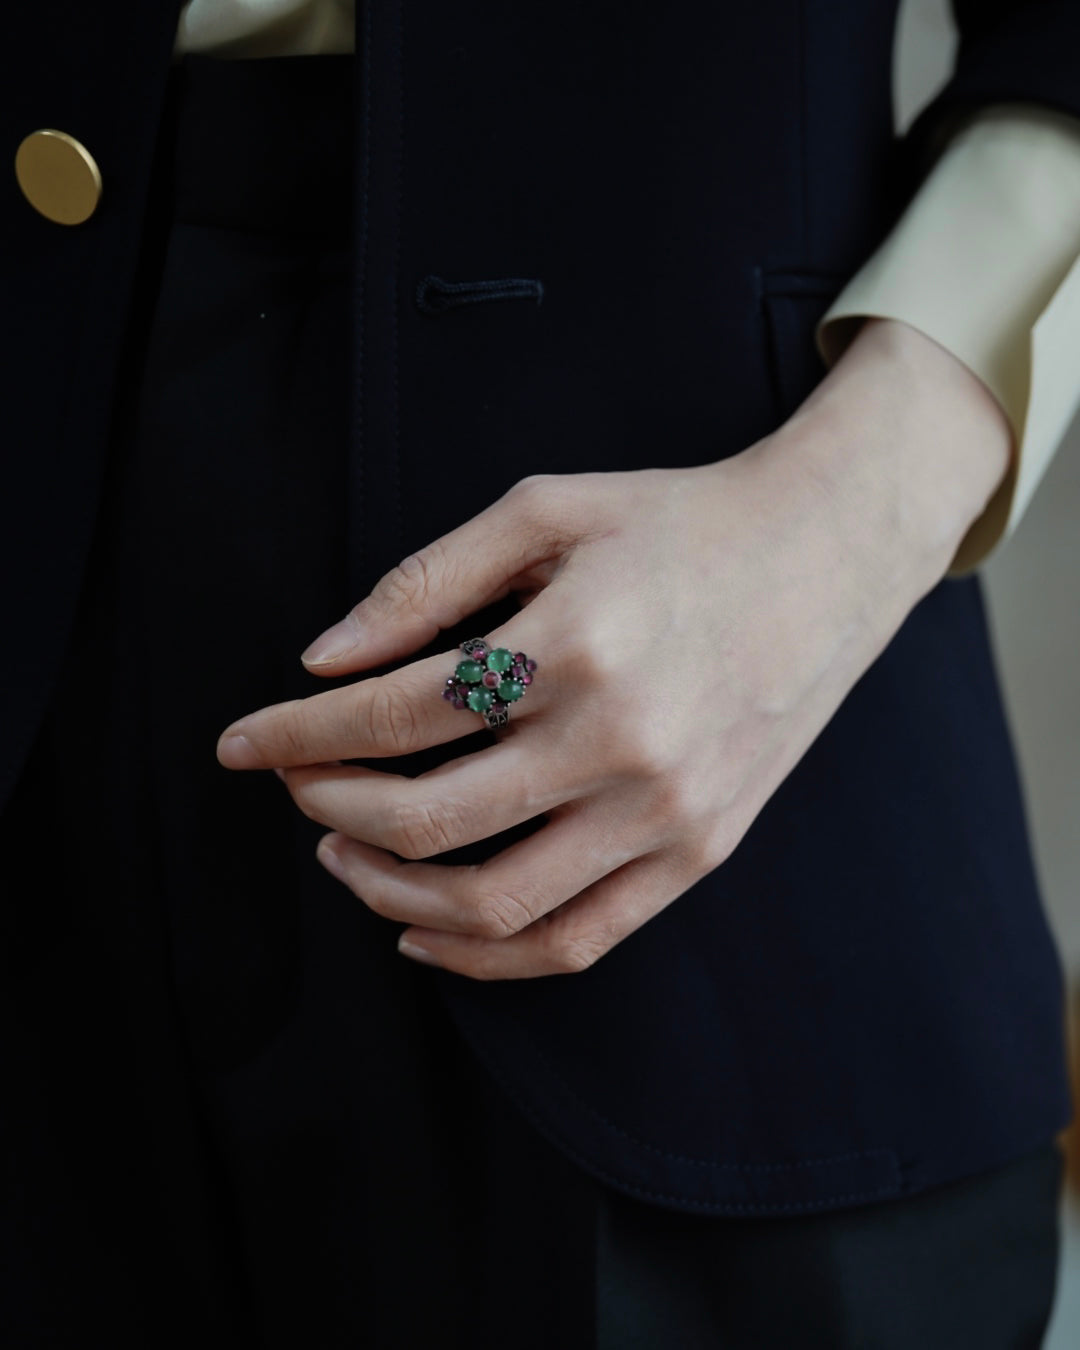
(986, 261)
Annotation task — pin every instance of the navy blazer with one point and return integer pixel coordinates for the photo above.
(864, 1000)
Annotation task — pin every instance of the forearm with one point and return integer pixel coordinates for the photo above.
(908, 443)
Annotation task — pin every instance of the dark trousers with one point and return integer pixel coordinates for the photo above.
(233, 1115)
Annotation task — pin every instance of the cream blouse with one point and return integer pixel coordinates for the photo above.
(985, 259)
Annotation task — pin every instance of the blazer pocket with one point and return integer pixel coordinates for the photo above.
(792, 301)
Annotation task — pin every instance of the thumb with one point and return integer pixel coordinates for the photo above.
(457, 574)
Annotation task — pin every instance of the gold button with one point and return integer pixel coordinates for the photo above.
(58, 176)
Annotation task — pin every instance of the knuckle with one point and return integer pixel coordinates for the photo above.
(501, 914)
(531, 490)
(409, 585)
(376, 901)
(594, 662)
(422, 829)
(727, 834)
(306, 798)
(389, 722)
(675, 800)
(700, 855)
(647, 754)
(291, 733)
(486, 964)
(542, 504)
(712, 845)
(573, 953)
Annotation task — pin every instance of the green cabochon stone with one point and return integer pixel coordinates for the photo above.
(469, 672)
(500, 659)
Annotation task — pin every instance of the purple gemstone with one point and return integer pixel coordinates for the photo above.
(526, 679)
(517, 671)
(459, 703)
(448, 693)
(530, 665)
(491, 679)
(519, 657)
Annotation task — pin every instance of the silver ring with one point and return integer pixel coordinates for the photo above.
(488, 680)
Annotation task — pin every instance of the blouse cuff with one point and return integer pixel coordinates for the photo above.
(986, 261)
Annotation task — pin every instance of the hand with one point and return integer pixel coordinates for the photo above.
(695, 630)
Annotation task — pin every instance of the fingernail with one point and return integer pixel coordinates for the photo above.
(237, 752)
(333, 644)
(330, 860)
(415, 952)
(281, 774)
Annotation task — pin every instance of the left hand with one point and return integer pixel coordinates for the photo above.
(694, 628)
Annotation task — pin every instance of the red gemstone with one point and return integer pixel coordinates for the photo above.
(526, 679)
(459, 703)
(519, 657)
(491, 679)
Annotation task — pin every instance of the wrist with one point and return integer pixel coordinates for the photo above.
(908, 441)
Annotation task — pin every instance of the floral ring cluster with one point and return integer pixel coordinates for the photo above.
(488, 680)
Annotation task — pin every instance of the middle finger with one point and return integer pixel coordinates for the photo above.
(385, 715)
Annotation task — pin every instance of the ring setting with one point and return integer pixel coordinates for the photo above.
(488, 680)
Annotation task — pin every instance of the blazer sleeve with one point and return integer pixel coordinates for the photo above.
(1011, 52)
(986, 261)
